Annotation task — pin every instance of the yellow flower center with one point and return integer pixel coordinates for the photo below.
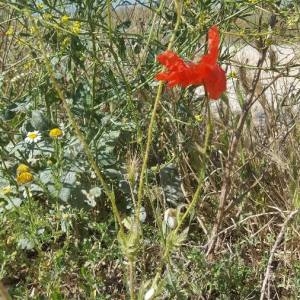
(64, 18)
(55, 133)
(6, 190)
(32, 135)
(24, 178)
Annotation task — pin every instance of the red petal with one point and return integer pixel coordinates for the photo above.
(213, 43)
(215, 82)
(206, 72)
(171, 60)
(178, 72)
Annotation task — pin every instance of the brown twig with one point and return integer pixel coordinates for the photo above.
(226, 186)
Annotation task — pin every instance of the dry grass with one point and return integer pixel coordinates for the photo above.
(243, 231)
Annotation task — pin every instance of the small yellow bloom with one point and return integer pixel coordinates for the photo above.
(10, 31)
(202, 19)
(291, 21)
(198, 118)
(28, 65)
(22, 169)
(64, 19)
(6, 190)
(232, 74)
(40, 6)
(24, 178)
(65, 42)
(33, 29)
(47, 16)
(55, 133)
(76, 27)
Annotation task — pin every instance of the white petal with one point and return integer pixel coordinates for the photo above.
(143, 216)
(171, 222)
(149, 294)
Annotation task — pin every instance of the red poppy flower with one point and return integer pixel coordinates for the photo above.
(206, 72)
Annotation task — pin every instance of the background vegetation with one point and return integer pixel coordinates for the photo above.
(220, 195)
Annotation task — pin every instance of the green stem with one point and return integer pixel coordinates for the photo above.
(109, 192)
(201, 176)
(131, 279)
(152, 121)
(195, 199)
(150, 134)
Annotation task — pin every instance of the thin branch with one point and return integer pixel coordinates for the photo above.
(226, 186)
(278, 241)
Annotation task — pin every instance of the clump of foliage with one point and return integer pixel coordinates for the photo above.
(114, 186)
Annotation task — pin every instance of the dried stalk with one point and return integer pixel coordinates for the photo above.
(278, 241)
(236, 136)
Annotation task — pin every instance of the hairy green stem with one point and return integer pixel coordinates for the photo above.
(131, 271)
(109, 193)
(150, 129)
(195, 199)
(86, 149)
(201, 176)
(152, 121)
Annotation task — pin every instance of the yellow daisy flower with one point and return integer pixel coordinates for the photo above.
(55, 133)
(24, 178)
(22, 168)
